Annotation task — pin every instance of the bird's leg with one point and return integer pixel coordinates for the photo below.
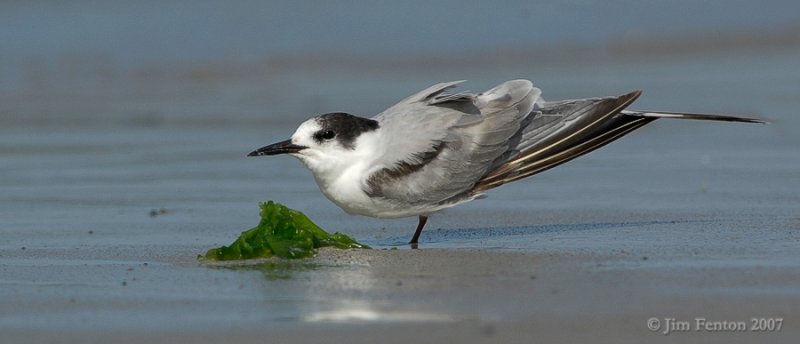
(420, 226)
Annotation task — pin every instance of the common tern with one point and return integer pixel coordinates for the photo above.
(435, 150)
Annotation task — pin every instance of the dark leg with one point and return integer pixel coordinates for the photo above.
(420, 226)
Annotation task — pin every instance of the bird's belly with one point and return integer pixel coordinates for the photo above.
(356, 202)
(347, 192)
(353, 200)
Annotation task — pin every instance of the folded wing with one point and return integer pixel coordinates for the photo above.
(442, 144)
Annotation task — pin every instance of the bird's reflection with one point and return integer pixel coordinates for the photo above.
(347, 292)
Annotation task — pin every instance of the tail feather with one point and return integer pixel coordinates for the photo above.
(698, 116)
(583, 128)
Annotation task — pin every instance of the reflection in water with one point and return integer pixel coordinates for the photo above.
(349, 292)
(351, 311)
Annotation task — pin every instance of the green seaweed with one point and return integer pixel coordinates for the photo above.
(282, 232)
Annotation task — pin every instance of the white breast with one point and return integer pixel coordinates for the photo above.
(346, 192)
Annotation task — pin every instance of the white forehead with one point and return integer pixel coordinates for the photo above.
(305, 131)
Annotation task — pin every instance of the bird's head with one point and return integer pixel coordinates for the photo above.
(324, 142)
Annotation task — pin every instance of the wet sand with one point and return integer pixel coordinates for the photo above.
(394, 296)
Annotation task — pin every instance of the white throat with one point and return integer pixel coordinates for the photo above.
(341, 172)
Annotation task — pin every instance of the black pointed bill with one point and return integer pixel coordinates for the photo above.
(283, 147)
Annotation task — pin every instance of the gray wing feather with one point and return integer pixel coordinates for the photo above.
(559, 132)
(446, 143)
(416, 125)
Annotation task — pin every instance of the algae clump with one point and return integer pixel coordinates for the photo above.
(282, 232)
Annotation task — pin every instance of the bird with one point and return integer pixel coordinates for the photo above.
(435, 150)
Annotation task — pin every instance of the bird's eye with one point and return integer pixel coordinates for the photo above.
(327, 134)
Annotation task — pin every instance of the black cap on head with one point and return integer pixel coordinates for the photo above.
(343, 127)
